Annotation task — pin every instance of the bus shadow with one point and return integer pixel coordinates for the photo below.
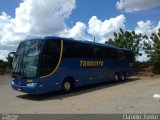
(78, 91)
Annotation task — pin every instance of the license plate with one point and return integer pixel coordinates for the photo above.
(19, 89)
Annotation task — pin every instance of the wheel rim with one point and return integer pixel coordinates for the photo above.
(67, 86)
(116, 77)
(123, 78)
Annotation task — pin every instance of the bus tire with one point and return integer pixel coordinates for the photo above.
(116, 77)
(67, 86)
(123, 76)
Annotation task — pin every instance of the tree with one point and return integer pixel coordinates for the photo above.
(10, 59)
(127, 39)
(3, 66)
(153, 50)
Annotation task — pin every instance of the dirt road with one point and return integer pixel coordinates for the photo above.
(133, 96)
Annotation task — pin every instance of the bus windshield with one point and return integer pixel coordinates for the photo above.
(25, 63)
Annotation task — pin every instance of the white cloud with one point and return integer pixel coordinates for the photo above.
(146, 27)
(43, 17)
(157, 27)
(33, 17)
(78, 31)
(136, 5)
(105, 29)
(3, 54)
(50, 19)
(8, 35)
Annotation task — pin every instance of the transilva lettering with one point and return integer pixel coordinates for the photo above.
(91, 63)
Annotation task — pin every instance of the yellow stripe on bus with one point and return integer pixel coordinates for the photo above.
(60, 58)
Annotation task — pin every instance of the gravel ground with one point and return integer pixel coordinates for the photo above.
(133, 96)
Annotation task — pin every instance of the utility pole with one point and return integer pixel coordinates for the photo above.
(92, 37)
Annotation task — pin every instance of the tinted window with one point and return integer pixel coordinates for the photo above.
(121, 55)
(87, 51)
(70, 49)
(112, 53)
(129, 55)
(76, 49)
(84, 50)
(49, 56)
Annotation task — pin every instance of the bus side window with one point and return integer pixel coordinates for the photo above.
(50, 57)
(101, 52)
(121, 55)
(110, 53)
(70, 49)
(84, 50)
(129, 56)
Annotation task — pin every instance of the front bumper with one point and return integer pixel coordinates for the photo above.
(38, 88)
(25, 89)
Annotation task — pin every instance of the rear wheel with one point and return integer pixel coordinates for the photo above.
(116, 77)
(123, 76)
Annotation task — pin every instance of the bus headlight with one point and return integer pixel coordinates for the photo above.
(31, 84)
(12, 83)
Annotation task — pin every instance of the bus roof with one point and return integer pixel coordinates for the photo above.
(78, 41)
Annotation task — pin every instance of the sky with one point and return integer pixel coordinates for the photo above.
(79, 19)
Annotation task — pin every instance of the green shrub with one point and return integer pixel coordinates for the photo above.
(2, 71)
(157, 67)
(138, 65)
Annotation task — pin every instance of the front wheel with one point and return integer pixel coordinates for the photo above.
(67, 86)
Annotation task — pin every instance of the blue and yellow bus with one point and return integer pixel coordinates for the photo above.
(46, 64)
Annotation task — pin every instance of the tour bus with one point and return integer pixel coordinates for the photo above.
(45, 64)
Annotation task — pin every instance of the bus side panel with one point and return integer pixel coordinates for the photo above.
(70, 67)
(51, 83)
(84, 75)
